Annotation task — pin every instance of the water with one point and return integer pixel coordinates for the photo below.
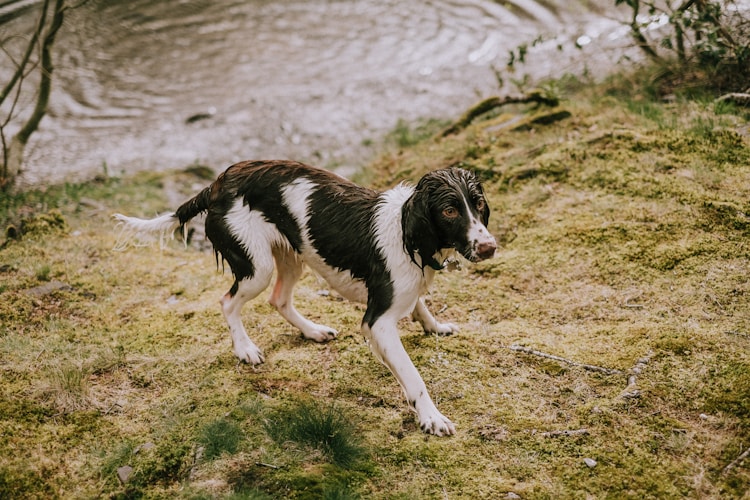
(143, 85)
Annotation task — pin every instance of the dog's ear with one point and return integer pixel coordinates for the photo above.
(419, 232)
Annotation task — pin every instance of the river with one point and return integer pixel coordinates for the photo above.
(144, 85)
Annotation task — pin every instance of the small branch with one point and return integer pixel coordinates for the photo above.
(632, 390)
(536, 96)
(738, 98)
(734, 332)
(593, 368)
(21, 65)
(640, 39)
(736, 461)
(566, 433)
(630, 305)
(270, 466)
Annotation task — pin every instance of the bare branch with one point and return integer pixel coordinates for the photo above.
(593, 368)
(535, 96)
(736, 461)
(20, 67)
(632, 390)
(635, 31)
(566, 433)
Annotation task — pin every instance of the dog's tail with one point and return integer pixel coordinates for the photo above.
(135, 231)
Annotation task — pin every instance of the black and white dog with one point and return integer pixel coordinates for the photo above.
(381, 249)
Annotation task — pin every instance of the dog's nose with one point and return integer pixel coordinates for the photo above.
(486, 249)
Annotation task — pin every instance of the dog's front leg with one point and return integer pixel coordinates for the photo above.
(428, 321)
(386, 345)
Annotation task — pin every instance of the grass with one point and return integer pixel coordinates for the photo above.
(624, 233)
(326, 429)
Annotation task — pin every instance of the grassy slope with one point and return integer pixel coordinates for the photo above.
(625, 236)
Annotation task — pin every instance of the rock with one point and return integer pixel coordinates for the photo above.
(47, 288)
(144, 447)
(124, 473)
(590, 462)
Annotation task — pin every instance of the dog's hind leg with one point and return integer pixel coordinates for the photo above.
(231, 305)
(289, 268)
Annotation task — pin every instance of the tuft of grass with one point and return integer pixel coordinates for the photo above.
(69, 387)
(219, 437)
(323, 427)
(43, 273)
(406, 134)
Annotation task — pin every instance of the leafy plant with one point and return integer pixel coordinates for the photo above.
(710, 36)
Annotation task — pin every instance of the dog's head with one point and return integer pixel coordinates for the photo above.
(447, 210)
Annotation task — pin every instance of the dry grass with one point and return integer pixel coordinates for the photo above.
(625, 239)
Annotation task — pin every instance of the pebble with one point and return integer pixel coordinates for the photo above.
(590, 462)
(123, 473)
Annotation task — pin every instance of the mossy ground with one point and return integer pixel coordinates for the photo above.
(625, 233)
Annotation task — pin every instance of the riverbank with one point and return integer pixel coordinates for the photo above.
(603, 351)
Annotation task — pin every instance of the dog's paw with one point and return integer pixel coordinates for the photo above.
(249, 353)
(437, 424)
(320, 333)
(443, 329)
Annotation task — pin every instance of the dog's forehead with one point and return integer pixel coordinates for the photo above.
(462, 181)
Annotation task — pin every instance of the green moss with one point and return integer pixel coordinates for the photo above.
(623, 234)
(728, 389)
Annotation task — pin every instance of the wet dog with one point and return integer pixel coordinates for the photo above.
(378, 248)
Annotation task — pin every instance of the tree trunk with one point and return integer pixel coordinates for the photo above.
(15, 152)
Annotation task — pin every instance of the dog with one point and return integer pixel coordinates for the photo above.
(378, 248)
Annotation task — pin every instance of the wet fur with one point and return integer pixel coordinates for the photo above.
(381, 249)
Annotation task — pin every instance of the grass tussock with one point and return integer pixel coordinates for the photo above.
(324, 428)
(603, 352)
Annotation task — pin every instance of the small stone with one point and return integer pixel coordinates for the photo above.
(144, 447)
(512, 496)
(48, 288)
(590, 462)
(124, 473)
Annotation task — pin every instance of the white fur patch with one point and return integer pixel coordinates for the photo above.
(408, 279)
(256, 235)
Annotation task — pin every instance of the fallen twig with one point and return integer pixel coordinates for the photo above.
(629, 304)
(270, 466)
(632, 390)
(491, 103)
(566, 433)
(593, 368)
(736, 461)
(738, 98)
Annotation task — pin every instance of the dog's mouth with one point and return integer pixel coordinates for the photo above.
(480, 251)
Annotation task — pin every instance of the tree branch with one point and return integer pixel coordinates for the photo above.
(736, 461)
(20, 67)
(593, 368)
(535, 96)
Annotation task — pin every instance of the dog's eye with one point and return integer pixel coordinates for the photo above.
(450, 212)
(480, 204)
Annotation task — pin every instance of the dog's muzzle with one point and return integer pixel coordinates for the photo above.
(485, 249)
(483, 244)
